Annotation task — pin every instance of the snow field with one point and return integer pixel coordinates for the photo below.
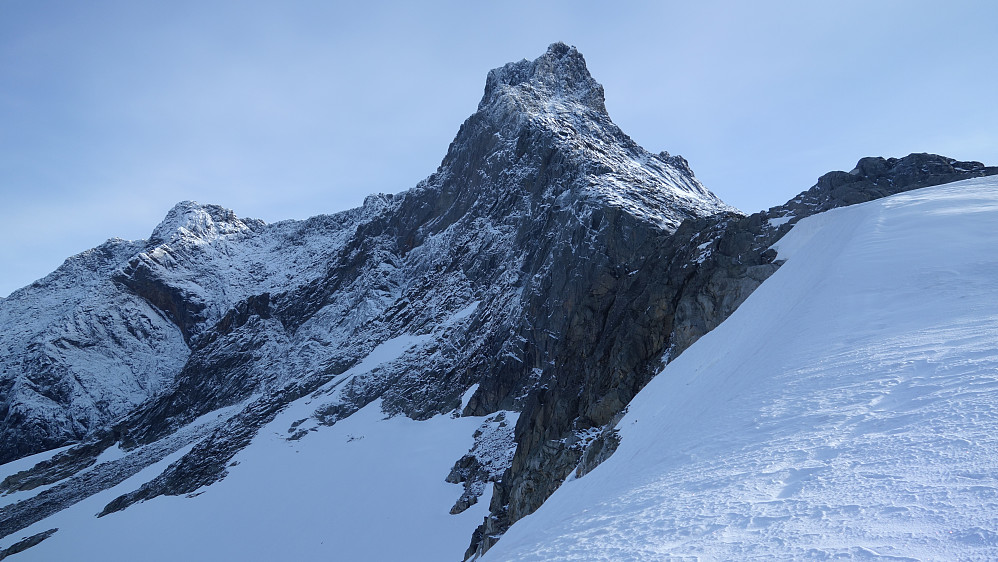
(366, 488)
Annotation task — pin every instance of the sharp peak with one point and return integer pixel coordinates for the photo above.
(559, 73)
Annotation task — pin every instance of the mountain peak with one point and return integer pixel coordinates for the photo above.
(190, 218)
(532, 110)
(559, 73)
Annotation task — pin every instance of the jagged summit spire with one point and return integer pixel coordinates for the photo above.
(559, 73)
(534, 109)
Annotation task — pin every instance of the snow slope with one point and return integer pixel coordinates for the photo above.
(367, 488)
(846, 409)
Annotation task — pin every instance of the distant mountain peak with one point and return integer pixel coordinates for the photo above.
(190, 218)
(558, 74)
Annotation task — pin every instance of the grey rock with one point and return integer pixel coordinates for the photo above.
(702, 273)
(489, 456)
(26, 543)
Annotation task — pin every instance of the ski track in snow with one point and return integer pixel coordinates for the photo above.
(846, 410)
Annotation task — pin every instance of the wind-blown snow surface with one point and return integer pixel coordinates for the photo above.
(848, 408)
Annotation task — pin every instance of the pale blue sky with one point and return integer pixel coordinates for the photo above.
(111, 112)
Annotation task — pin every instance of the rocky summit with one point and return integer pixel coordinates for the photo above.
(538, 279)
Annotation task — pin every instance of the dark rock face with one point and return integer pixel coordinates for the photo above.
(515, 204)
(875, 177)
(549, 260)
(26, 543)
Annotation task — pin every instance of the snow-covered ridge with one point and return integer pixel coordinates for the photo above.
(107, 349)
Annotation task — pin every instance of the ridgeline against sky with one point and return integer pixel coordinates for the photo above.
(114, 112)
